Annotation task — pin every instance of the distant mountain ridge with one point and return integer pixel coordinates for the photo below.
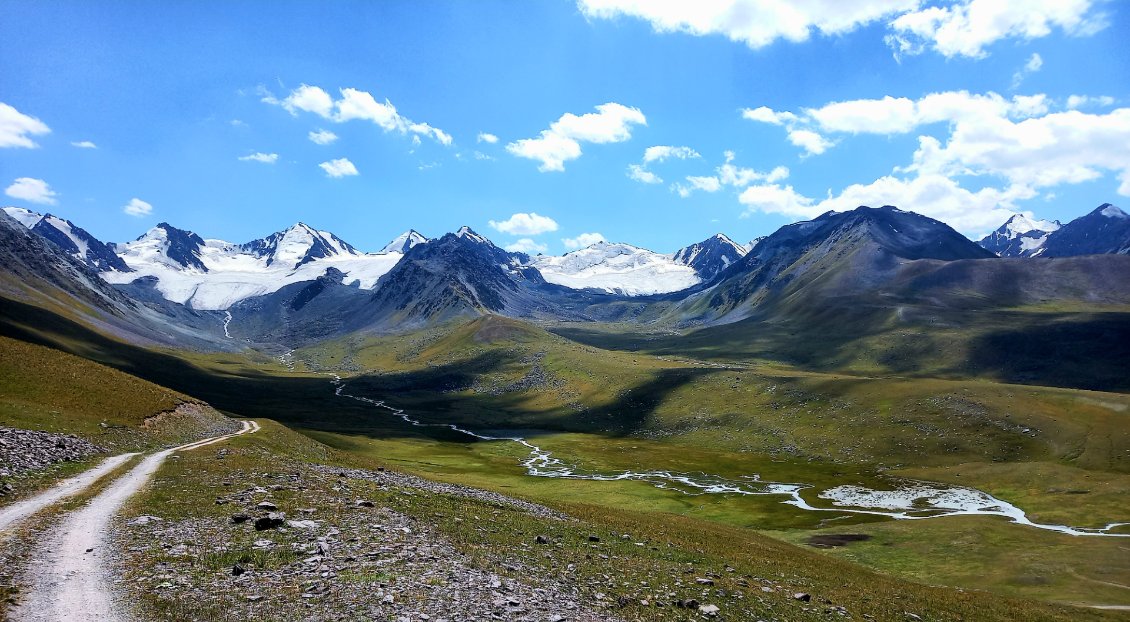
(1020, 236)
(1103, 231)
(72, 239)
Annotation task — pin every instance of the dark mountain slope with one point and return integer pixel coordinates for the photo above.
(1106, 230)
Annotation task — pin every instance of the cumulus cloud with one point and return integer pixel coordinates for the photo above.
(764, 114)
(637, 172)
(525, 224)
(32, 189)
(1035, 63)
(84, 144)
(1085, 101)
(322, 137)
(259, 156)
(1017, 148)
(582, 241)
(756, 23)
(727, 175)
(611, 123)
(137, 207)
(659, 153)
(950, 27)
(354, 104)
(935, 196)
(967, 27)
(485, 137)
(810, 141)
(340, 167)
(17, 128)
(703, 183)
(527, 246)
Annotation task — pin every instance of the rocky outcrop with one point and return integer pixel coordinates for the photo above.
(28, 450)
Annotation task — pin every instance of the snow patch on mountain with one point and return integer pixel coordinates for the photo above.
(618, 269)
(1020, 236)
(23, 216)
(404, 241)
(1111, 211)
(227, 273)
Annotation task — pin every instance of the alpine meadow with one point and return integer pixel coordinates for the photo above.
(565, 311)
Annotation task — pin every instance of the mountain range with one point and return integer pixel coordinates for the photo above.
(1106, 230)
(304, 284)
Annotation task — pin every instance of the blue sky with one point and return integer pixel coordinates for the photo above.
(768, 115)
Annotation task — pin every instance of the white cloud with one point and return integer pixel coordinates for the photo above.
(756, 23)
(1017, 148)
(638, 173)
(611, 123)
(354, 104)
(660, 153)
(237, 123)
(137, 207)
(1084, 101)
(810, 141)
(525, 224)
(728, 174)
(950, 27)
(31, 189)
(935, 196)
(703, 183)
(84, 144)
(485, 137)
(479, 155)
(967, 27)
(527, 246)
(889, 115)
(17, 128)
(1034, 64)
(340, 167)
(582, 241)
(322, 137)
(764, 114)
(1037, 152)
(259, 156)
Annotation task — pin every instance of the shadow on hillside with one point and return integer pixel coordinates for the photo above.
(436, 394)
(1089, 352)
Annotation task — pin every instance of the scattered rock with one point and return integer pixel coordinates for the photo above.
(709, 611)
(594, 538)
(541, 540)
(240, 518)
(274, 520)
(802, 597)
(362, 503)
(29, 450)
(237, 570)
(144, 519)
(266, 506)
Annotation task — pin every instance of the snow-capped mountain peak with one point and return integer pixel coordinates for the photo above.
(1020, 236)
(404, 241)
(1020, 224)
(23, 216)
(297, 245)
(616, 268)
(468, 233)
(710, 256)
(73, 240)
(1112, 211)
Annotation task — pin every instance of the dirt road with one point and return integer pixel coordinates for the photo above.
(67, 579)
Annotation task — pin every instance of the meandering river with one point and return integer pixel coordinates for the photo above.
(911, 500)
